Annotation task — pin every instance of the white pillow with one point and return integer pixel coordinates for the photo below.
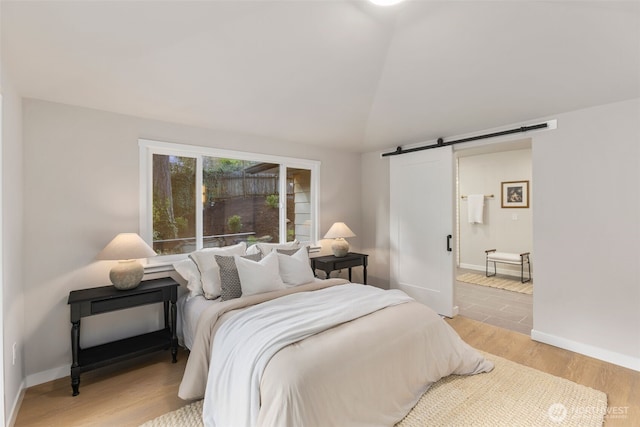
(266, 248)
(261, 276)
(295, 269)
(189, 272)
(205, 259)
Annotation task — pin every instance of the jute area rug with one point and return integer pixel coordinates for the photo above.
(511, 395)
(497, 282)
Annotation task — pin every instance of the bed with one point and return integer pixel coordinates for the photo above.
(320, 353)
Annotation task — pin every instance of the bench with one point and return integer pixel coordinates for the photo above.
(508, 258)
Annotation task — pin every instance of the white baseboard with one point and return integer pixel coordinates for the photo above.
(48, 375)
(482, 268)
(15, 407)
(588, 350)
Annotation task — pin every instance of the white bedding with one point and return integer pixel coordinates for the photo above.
(247, 341)
(189, 310)
(369, 371)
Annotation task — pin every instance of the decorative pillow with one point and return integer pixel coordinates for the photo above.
(261, 276)
(229, 279)
(189, 272)
(295, 269)
(253, 249)
(266, 248)
(287, 251)
(209, 270)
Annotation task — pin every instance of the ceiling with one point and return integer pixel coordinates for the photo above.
(344, 74)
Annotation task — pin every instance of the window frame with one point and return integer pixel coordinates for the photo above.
(148, 147)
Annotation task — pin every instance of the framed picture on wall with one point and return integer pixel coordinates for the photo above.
(515, 194)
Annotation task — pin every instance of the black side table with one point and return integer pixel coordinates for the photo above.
(87, 302)
(331, 263)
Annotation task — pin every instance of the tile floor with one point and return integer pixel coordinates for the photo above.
(498, 307)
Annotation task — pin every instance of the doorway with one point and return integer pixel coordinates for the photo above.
(486, 171)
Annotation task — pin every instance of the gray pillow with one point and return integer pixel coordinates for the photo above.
(230, 281)
(287, 251)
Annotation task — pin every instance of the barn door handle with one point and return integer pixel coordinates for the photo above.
(449, 242)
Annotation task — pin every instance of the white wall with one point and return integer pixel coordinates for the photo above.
(81, 189)
(12, 255)
(587, 233)
(375, 201)
(504, 229)
(586, 230)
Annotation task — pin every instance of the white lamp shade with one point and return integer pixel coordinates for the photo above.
(126, 246)
(339, 229)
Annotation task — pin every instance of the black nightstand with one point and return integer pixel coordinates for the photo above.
(331, 263)
(87, 302)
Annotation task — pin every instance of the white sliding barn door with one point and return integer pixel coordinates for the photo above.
(422, 260)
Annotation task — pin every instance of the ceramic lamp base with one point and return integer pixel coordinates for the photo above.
(126, 274)
(340, 247)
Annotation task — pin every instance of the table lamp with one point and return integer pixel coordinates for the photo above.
(127, 248)
(338, 232)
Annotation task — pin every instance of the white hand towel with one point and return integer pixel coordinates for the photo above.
(475, 204)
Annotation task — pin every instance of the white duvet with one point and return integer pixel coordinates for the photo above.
(369, 371)
(245, 343)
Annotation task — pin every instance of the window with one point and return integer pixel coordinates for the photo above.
(197, 197)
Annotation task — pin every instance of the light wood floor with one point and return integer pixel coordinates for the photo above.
(132, 393)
